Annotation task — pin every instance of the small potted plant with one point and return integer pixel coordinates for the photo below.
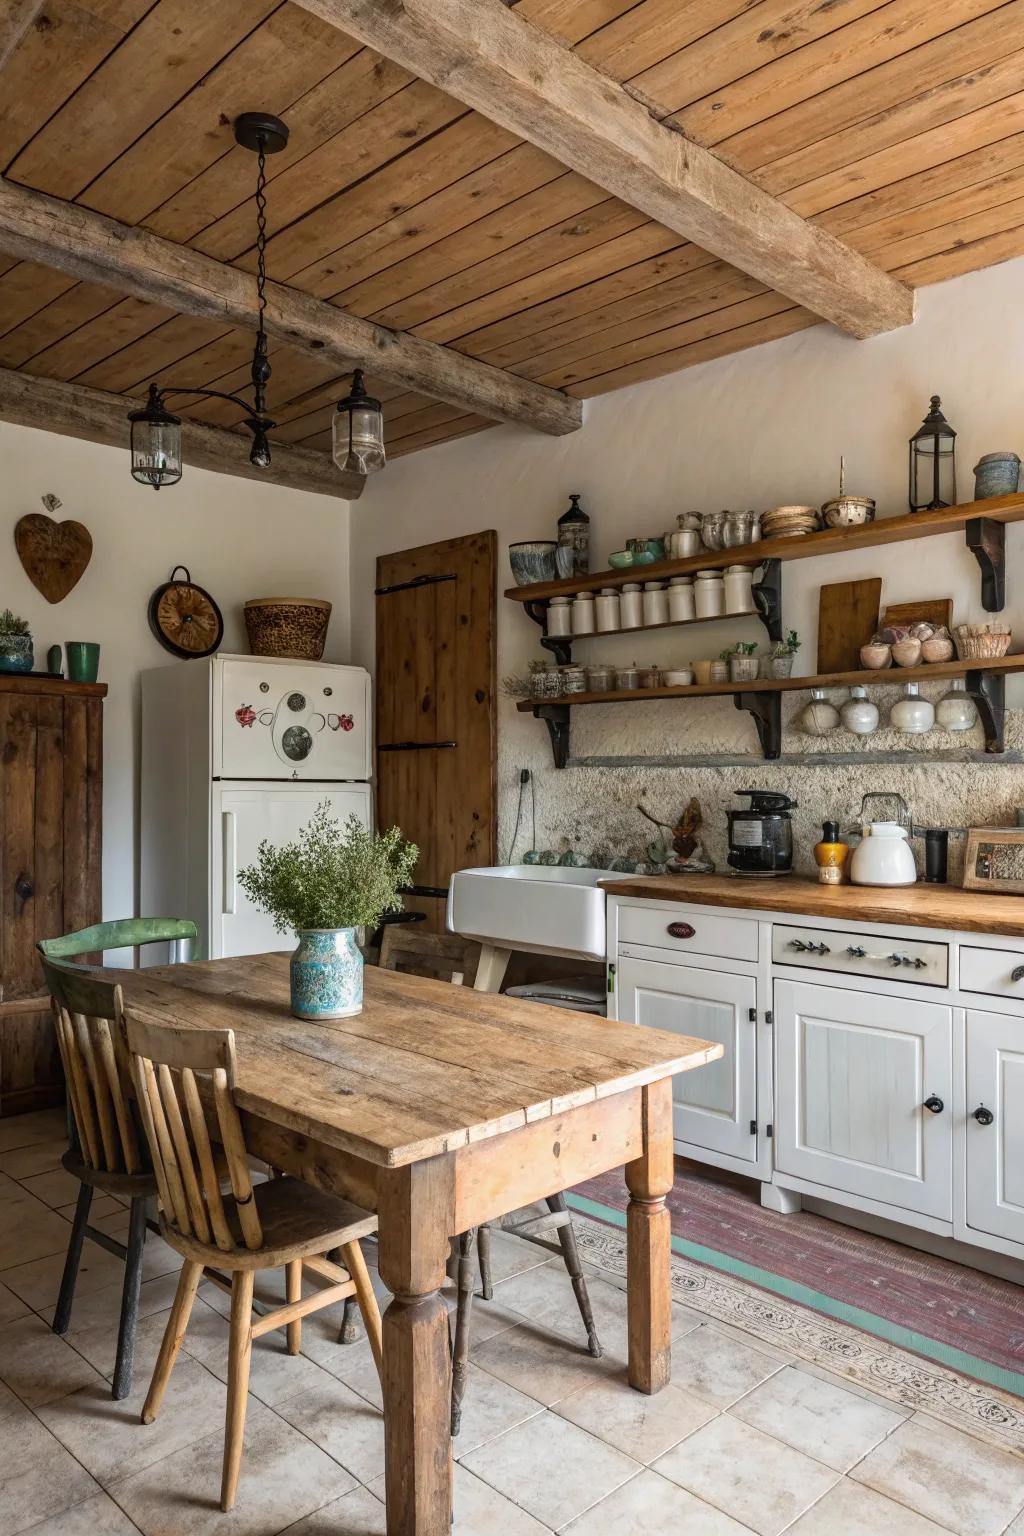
(742, 661)
(779, 661)
(15, 643)
(324, 886)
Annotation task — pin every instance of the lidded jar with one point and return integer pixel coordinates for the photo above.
(631, 607)
(655, 603)
(912, 714)
(583, 614)
(559, 616)
(606, 611)
(737, 582)
(680, 599)
(709, 594)
(819, 716)
(858, 714)
(956, 710)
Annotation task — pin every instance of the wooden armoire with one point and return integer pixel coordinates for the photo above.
(51, 785)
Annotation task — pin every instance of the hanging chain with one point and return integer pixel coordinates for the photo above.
(260, 362)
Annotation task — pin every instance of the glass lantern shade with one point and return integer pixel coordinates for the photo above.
(156, 446)
(933, 462)
(358, 436)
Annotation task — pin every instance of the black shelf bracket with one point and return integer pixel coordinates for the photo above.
(766, 709)
(767, 595)
(988, 690)
(556, 717)
(560, 647)
(538, 612)
(986, 539)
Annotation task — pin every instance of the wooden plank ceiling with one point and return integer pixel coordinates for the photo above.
(898, 126)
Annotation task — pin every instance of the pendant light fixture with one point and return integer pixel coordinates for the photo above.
(156, 431)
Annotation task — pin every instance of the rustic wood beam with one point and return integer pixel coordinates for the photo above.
(522, 78)
(133, 261)
(16, 16)
(72, 410)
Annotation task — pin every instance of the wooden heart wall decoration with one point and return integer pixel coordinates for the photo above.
(54, 555)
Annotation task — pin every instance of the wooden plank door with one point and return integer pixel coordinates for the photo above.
(436, 721)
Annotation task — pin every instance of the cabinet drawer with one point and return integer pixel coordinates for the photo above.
(1000, 972)
(923, 961)
(689, 932)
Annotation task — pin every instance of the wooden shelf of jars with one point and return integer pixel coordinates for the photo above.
(984, 679)
(971, 517)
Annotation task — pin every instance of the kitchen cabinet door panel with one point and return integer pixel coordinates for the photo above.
(714, 1107)
(995, 1152)
(853, 1071)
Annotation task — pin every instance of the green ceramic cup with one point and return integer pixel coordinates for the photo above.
(83, 660)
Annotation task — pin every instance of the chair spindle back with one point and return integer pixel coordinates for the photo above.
(166, 1060)
(88, 1015)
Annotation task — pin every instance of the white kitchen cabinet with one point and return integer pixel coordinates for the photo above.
(715, 1108)
(853, 1072)
(995, 1148)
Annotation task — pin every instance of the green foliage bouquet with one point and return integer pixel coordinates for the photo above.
(330, 877)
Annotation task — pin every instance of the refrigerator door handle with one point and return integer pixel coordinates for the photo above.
(229, 862)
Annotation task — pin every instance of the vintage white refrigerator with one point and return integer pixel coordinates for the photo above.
(236, 749)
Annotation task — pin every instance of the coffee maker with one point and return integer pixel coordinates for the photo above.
(761, 835)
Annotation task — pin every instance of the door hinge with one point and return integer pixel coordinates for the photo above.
(753, 1127)
(769, 1017)
(752, 1015)
(769, 1130)
(611, 979)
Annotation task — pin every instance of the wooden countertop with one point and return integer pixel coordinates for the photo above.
(918, 906)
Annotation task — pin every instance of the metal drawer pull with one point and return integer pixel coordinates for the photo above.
(916, 961)
(983, 1116)
(935, 1104)
(856, 951)
(681, 930)
(1017, 974)
(807, 947)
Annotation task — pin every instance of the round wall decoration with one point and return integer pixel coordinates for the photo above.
(185, 618)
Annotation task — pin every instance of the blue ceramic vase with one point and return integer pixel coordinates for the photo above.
(326, 974)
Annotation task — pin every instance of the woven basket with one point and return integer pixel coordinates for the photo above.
(982, 642)
(295, 627)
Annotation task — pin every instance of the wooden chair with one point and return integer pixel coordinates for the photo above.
(449, 958)
(178, 1071)
(107, 1150)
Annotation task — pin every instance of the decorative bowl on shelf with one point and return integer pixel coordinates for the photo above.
(848, 511)
(938, 648)
(906, 653)
(646, 551)
(621, 560)
(876, 656)
(532, 560)
(982, 642)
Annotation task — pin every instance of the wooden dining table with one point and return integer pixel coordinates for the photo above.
(441, 1107)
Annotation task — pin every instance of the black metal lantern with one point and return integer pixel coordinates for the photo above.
(359, 430)
(933, 462)
(156, 443)
(156, 434)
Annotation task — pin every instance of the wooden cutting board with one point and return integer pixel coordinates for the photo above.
(847, 618)
(929, 610)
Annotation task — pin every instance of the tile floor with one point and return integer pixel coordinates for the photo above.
(747, 1439)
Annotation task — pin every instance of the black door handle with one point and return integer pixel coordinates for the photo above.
(935, 1104)
(983, 1116)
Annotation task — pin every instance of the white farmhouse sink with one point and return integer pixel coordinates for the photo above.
(538, 907)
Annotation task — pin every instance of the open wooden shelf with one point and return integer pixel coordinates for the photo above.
(829, 541)
(763, 698)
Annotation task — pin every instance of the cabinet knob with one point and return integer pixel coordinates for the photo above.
(983, 1116)
(935, 1104)
(23, 889)
(1017, 974)
(681, 930)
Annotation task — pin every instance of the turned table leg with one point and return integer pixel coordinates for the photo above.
(648, 1245)
(415, 1212)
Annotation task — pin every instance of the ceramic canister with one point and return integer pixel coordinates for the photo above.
(583, 614)
(709, 594)
(631, 606)
(912, 714)
(858, 714)
(606, 609)
(326, 974)
(738, 594)
(956, 710)
(655, 603)
(680, 599)
(819, 716)
(560, 616)
(996, 474)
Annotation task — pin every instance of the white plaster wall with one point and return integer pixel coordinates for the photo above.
(763, 427)
(238, 538)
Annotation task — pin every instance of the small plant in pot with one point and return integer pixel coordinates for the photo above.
(741, 661)
(324, 886)
(779, 661)
(15, 643)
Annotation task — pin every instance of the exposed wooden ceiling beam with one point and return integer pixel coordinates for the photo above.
(521, 77)
(16, 16)
(98, 417)
(133, 261)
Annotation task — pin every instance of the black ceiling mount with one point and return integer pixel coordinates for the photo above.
(256, 130)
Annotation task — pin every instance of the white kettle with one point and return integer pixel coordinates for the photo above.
(883, 856)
